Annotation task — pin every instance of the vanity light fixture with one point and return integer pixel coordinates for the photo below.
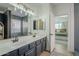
(30, 12)
(19, 6)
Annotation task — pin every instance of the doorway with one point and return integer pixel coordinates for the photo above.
(61, 36)
(62, 11)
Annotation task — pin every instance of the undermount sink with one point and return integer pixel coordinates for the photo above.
(34, 35)
(16, 39)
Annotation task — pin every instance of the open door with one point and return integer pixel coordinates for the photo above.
(52, 32)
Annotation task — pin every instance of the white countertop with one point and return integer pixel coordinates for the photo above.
(7, 45)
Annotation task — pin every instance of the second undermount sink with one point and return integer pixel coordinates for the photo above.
(34, 35)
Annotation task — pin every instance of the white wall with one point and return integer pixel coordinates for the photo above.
(35, 7)
(61, 9)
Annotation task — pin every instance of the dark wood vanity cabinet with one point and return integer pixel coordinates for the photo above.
(32, 45)
(28, 50)
(43, 44)
(31, 52)
(38, 50)
(32, 49)
(22, 50)
(38, 47)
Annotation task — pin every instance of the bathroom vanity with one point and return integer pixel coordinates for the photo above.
(25, 46)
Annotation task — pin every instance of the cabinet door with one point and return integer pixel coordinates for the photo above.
(42, 45)
(32, 45)
(22, 50)
(38, 49)
(30, 52)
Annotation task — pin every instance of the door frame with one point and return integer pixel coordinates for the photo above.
(70, 29)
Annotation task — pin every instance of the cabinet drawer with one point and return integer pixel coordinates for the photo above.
(30, 52)
(23, 49)
(32, 45)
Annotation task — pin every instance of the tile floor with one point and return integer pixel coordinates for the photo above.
(60, 49)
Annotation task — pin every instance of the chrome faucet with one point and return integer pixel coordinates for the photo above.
(15, 40)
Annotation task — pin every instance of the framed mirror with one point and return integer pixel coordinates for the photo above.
(38, 24)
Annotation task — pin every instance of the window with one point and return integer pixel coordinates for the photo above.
(58, 26)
